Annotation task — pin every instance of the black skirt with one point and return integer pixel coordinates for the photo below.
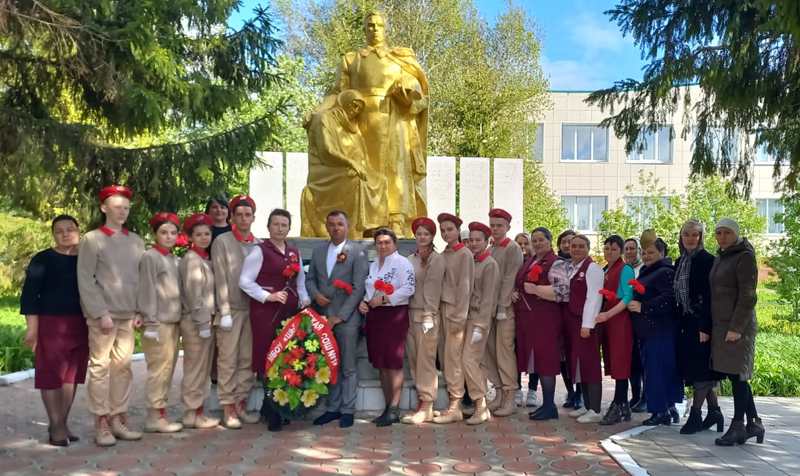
(693, 356)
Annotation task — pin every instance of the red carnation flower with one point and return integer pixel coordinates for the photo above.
(344, 286)
(311, 359)
(637, 286)
(608, 295)
(297, 353)
(534, 273)
(301, 334)
(310, 372)
(182, 240)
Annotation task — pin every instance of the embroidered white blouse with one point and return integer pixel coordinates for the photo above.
(398, 271)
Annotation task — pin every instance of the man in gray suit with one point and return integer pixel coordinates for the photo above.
(346, 261)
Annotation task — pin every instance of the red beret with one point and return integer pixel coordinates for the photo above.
(163, 217)
(423, 222)
(241, 198)
(478, 226)
(448, 217)
(112, 190)
(499, 213)
(196, 219)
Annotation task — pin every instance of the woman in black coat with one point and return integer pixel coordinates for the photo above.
(693, 312)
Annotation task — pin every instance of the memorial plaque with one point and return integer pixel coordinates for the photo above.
(266, 188)
(296, 178)
(440, 188)
(474, 189)
(508, 190)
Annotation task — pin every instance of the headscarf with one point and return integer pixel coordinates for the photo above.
(684, 270)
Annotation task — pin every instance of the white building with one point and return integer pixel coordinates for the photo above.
(587, 167)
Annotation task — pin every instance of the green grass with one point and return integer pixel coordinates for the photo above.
(13, 354)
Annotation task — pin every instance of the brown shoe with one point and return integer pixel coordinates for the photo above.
(103, 436)
(119, 427)
(244, 415)
(508, 407)
(424, 413)
(230, 420)
(482, 413)
(452, 414)
(157, 422)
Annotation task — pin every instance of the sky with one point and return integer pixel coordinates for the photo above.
(582, 50)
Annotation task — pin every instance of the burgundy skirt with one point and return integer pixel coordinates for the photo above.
(62, 351)
(539, 333)
(617, 341)
(386, 330)
(265, 322)
(584, 353)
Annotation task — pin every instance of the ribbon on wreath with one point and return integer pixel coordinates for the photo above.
(320, 327)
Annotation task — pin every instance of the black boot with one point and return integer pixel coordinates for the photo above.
(673, 413)
(736, 435)
(613, 415)
(382, 416)
(714, 417)
(694, 423)
(577, 400)
(755, 429)
(639, 406)
(659, 418)
(544, 413)
(569, 401)
(273, 419)
(625, 409)
(389, 418)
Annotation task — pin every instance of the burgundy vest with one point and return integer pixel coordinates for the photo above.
(611, 283)
(578, 289)
(270, 276)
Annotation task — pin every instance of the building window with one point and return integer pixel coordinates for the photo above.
(763, 157)
(768, 208)
(656, 147)
(721, 144)
(586, 143)
(644, 209)
(584, 212)
(538, 146)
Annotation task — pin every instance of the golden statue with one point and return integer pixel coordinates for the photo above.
(394, 127)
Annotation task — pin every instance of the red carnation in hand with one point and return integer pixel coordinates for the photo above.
(344, 286)
(608, 295)
(637, 286)
(534, 273)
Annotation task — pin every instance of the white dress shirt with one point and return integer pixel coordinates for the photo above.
(251, 268)
(594, 300)
(398, 271)
(333, 253)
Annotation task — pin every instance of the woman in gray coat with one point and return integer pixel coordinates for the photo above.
(733, 299)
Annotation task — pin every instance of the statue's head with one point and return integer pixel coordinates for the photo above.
(351, 101)
(374, 28)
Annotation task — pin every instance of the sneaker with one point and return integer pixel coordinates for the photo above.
(120, 430)
(578, 412)
(519, 398)
(531, 400)
(590, 416)
(103, 436)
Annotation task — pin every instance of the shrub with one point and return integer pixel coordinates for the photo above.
(786, 256)
(20, 239)
(777, 367)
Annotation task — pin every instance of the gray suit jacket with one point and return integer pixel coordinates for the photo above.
(353, 270)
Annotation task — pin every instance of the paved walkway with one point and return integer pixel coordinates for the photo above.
(511, 445)
(663, 451)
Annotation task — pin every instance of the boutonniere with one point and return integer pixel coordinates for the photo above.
(384, 287)
(293, 257)
(344, 286)
(581, 275)
(534, 273)
(291, 270)
(637, 286)
(341, 257)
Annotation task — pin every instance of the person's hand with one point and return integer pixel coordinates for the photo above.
(280, 296)
(635, 306)
(514, 296)
(31, 335)
(530, 288)
(151, 333)
(205, 333)
(602, 317)
(704, 337)
(427, 325)
(106, 324)
(333, 320)
(585, 332)
(321, 300)
(363, 307)
(477, 335)
(226, 322)
(376, 300)
(732, 336)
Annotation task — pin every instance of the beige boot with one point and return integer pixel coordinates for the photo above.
(244, 415)
(452, 414)
(423, 414)
(481, 414)
(157, 422)
(103, 436)
(229, 418)
(197, 419)
(498, 400)
(508, 407)
(119, 427)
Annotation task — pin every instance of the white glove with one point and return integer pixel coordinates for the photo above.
(205, 333)
(151, 333)
(226, 322)
(477, 335)
(427, 325)
(501, 316)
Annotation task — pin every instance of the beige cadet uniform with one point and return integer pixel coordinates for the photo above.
(501, 359)
(197, 297)
(159, 301)
(456, 289)
(108, 278)
(235, 376)
(482, 306)
(424, 307)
